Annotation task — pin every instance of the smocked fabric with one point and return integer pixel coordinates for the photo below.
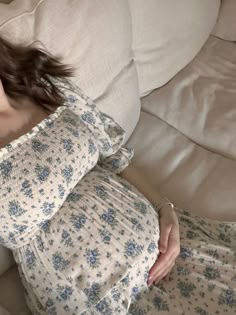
(84, 239)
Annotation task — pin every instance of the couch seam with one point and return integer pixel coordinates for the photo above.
(194, 142)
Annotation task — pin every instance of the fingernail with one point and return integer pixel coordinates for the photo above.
(149, 282)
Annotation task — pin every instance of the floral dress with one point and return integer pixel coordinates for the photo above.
(84, 239)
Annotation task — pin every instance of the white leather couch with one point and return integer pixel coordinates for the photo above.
(166, 72)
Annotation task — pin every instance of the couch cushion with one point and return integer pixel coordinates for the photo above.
(3, 311)
(200, 100)
(93, 36)
(167, 35)
(6, 259)
(225, 27)
(192, 177)
(12, 293)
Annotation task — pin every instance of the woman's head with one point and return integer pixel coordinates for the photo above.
(25, 72)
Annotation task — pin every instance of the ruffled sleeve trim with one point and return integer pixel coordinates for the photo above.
(110, 136)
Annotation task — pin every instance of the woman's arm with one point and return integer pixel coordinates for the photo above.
(133, 175)
(169, 243)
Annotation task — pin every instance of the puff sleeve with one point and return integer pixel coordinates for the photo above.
(109, 135)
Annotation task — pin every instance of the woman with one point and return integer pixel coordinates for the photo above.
(86, 240)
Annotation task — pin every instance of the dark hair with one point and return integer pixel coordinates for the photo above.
(28, 72)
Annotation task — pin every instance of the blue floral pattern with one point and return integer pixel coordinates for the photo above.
(84, 239)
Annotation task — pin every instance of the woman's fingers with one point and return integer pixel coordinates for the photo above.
(169, 246)
(164, 273)
(167, 222)
(164, 235)
(161, 265)
(166, 259)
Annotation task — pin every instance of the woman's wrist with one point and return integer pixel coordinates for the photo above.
(163, 203)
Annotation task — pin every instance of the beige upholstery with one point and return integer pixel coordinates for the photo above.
(200, 100)
(6, 259)
(12, 293)
(3, 311)
(226, 24)
(192, 177)
(167, 35)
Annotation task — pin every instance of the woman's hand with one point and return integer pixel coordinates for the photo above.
(169, 245)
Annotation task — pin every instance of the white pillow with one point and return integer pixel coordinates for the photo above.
(167, 35)
(94, 36)
(226, 25)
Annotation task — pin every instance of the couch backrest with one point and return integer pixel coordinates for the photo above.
(167, 35)
(6, 260)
